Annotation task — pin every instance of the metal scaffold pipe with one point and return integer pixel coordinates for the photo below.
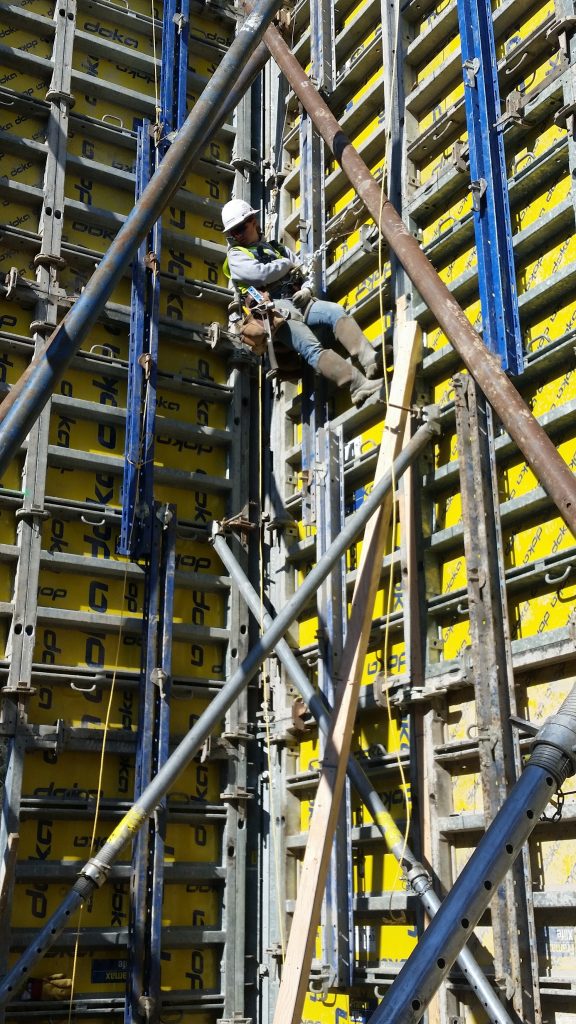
(553, 760)
(418, 876)
(94, 874)
(537, 448)
(234, 75)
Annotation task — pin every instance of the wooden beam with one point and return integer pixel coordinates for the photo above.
(296, 969)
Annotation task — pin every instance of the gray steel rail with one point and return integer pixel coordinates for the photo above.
(95, 873)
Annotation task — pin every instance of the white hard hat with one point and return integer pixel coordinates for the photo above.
(234, 212)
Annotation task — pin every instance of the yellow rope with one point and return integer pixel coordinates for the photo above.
(106, 730)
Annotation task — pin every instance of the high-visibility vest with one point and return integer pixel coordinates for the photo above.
(264, 252)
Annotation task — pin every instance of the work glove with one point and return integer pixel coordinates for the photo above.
(302, 298)
(254, 334)
(54, 987)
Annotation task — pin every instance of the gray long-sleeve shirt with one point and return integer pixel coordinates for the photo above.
(248, 270)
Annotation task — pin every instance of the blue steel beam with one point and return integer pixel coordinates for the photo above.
(27, 398)
(489, 185)
(137, 487)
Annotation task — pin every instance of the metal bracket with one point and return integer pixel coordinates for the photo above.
(11, 282)
(322, 979)
(461, 156)
(564, 118)
(159, 677)
(236, 794)
(471, 69)
(32, 513)
(478, 188)
(22, 691)
(239, 523)
(513, 112)
(561, 30)
(49, 259)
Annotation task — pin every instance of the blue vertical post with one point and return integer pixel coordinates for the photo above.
(138, 483)
(489, 185)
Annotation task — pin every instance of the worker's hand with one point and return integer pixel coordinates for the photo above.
(55, 986)
(302, 298)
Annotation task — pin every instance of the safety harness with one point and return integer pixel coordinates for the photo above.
(261, 320)
(264, 252)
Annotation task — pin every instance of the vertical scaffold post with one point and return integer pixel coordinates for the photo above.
(489, 185)
(337, 921)
(138, 483)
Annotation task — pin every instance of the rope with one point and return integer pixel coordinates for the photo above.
(95, 824)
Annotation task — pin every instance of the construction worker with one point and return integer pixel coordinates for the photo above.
(273, 269)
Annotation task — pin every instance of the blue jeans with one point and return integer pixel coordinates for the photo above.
(306, 338)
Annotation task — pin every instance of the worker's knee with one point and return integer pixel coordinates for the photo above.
(324, 314)
(301, 339)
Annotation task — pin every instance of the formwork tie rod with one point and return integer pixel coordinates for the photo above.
(237, 69)
(537, 448)
(418, 876)
(94, 874)
(553, 760)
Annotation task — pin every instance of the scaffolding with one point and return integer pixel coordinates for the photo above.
(157, 742)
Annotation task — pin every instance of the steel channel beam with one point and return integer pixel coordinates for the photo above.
(138, 462)
(238, 914)
(543, 458)
(419, 878)
(337, 922)
(553, 760)
(489, 185)
(94, 873)
(29, 395)
(511, 910)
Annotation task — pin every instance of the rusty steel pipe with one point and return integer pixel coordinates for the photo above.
(237, 70)
(537, 448)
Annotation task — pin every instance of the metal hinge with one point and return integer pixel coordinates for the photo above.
(471, 69)
(478, 188)
(513, 112)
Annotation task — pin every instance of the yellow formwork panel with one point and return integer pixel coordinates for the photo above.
(332, 1008)
(535, 144)
(447, 220)
(436, 339)
(442, 106)
(441, 54)
(37, 45)
(556, 324)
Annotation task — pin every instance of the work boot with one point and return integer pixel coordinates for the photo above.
(351, 336)
(341, 372)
